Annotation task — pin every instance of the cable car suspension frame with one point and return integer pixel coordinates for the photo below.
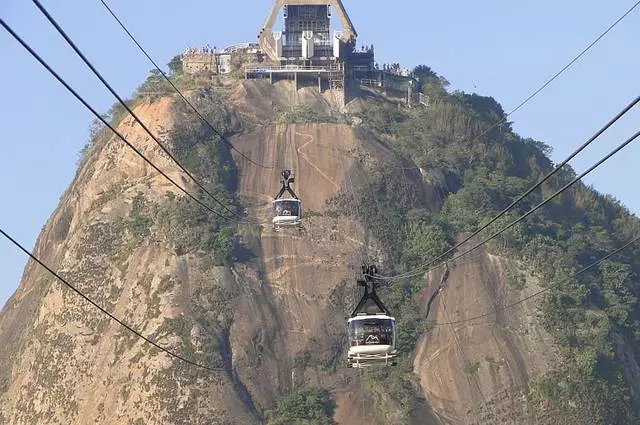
(286, 211)
(371, 327)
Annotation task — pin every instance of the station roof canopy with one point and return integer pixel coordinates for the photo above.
(266, 33)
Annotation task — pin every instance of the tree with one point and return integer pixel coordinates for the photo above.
(427, 78)
(175, 65)
(620, 301)
(423, 241)
(424, 72)
(304, 407)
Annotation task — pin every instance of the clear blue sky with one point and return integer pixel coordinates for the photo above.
(500, 48)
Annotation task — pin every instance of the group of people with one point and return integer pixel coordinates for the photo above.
(205, 49)
(395, 69)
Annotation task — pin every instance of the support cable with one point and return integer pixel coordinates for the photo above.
(105, 312)
(106, 123)
(558, 74)
(525, 194)
(184, 98)
(124, 104)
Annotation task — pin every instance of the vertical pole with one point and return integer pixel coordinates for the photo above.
(295, 78)
(347, 76)
(384, 83)
(320, 84)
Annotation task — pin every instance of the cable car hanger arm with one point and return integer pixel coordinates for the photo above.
(369, 296)
(369, 283)
(287, 179)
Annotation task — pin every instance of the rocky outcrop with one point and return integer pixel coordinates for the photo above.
(271, 322)
(479, 358)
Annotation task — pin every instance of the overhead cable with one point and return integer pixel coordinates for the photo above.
(528, 213)
(106, 123)
(124, 104)
(105, 312)
(559, 73)
(184, 98)
(557, 168)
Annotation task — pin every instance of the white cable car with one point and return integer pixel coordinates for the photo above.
(372, 329)
(286, 211)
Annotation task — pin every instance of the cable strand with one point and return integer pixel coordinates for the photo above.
(103, 310)
(184, 98)
(556, 169)
(104, 121)
(124, 104)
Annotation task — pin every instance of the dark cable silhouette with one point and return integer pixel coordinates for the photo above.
(107, 124)
(166, 77)
(124, 104)
(111, 316)
(624, 111)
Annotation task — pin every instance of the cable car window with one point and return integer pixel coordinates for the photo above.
(286, 208)
(371, 332)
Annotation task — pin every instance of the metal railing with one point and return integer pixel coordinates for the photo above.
(257, 69)
(362, 68)
(371, 83)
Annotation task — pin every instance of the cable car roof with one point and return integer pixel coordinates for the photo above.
(371, 317)
(282, 200)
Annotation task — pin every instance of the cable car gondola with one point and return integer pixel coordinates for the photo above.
(286, 211)
(372, 329)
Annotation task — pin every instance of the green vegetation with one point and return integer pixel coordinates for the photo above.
(139, 222)
(175, 65)
(156, 86)
(593, 318)
(187, 226)
(394, 391)
(255, 348)
(194, 230)
(471, 368)
(494, 365)
(239, 60)
(516, 280)
(304, 407)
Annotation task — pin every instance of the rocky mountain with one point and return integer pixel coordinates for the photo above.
(267, 309)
